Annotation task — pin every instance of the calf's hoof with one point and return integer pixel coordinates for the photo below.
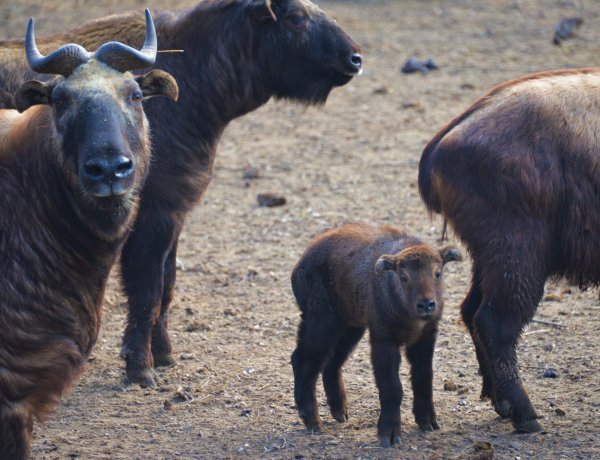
(146, 378)
(527, 426)
(164, 360)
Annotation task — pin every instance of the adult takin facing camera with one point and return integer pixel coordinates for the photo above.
(71, 168)
(237, 54)
(355, 277)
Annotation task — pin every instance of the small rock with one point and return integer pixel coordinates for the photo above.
(270, 200)
(549, 347)
(551, 374)
(552, 297)
(167, 405)
(565, 28)
(449, 385)
(462, 390)
(183, 394)
(382, 90)
(245, 412)
(461, 374)
(251, 172)
(413, 65)
(558, 411)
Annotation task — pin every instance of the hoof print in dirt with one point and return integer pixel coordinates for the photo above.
(413, 65)
(270, 200)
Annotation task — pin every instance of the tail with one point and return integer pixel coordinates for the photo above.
(429, 194)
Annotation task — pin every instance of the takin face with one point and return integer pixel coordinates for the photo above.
(305, 48)
(100, 129)
(413, 280)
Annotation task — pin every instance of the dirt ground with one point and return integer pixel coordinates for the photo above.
(234, 319)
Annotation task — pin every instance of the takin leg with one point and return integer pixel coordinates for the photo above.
(142, 268)
(162, 351)
(385, 357)
(499, 322)
(16, 425)
(316, 339)
(468, 309)
(420, 356)
(332, 372)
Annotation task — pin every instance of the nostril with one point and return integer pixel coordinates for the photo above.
(431, 304)
(95, 169)
(426, 306)
(356, 60)
(124, 168)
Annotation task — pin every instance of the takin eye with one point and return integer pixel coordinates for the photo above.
(297, 19)
(137, 96)
(438, 275)
(403, 277)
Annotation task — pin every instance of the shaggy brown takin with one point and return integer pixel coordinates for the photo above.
(517, 175)
(236, 57)
(354, 277)
(70, 174)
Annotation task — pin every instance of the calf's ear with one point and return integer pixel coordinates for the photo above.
(32, 93)
(450, 254)
(384, 263)
(158, 83)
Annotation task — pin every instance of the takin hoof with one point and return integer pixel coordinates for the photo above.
(386, 441)
(527, 426)
(341, 415)
(146, 378)
(164, 360)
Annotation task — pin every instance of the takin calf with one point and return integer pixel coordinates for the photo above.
(354, 277)
(517, 176)
(237, 55)
(71, 169)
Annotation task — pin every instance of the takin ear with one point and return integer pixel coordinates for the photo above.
(385, 262)
(450, 254)
(267, 10)
(32, 93)
(158, 83)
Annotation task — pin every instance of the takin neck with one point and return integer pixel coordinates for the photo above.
(59, 259)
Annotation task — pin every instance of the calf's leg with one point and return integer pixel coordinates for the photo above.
(332, 372)
(385, 356)
(420, 356)
(316, 339)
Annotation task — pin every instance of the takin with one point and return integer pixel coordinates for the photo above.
(517, 176)
(355, 277)
(237, 55)
(71, 169)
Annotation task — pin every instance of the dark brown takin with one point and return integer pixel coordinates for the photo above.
(356, 277)
(237, 54)
(517, 175)
(71, 169)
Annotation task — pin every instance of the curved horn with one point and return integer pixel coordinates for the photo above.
(63, 61)
(122, 57)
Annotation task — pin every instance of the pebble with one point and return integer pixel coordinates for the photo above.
(551, 374)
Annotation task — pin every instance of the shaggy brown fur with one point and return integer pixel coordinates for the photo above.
(517, 175)
(235, 59)
(356, 277)
(58, 241)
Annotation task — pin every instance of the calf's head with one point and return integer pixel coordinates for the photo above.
(414, 277)
(305, 51)
(99, 126)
